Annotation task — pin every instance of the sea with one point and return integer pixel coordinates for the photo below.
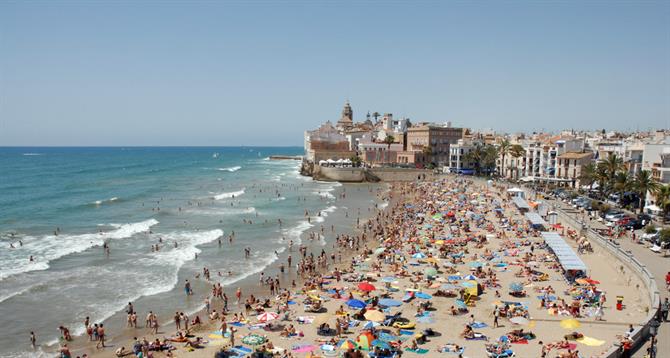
(60, 206)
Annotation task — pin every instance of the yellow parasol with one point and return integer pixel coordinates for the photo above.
(375, 316)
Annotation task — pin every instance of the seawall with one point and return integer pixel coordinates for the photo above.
(359, 175)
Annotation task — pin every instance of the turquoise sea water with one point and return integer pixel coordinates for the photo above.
(60, 205)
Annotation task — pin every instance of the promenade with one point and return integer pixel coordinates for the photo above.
(655, 263)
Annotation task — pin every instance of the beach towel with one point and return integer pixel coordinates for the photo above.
(478, 325)
(406, 332)
(236, 324)
(590, 341)
(478, 338)
(241, 350)
(417, 351)
(521, 341)
(460, 351)
(291, 302)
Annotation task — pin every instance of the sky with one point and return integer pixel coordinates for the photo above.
(228, 73)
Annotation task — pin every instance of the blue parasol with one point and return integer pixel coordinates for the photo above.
(354, 303)
(387, 302)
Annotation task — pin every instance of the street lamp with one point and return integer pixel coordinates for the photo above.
(653, 331)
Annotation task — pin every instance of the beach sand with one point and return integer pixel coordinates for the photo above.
(426, 198)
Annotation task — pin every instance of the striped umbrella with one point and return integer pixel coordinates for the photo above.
(364, 341)
(267, 316)
(347, 345)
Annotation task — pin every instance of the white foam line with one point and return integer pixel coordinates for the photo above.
(232, 194)
(48, 248)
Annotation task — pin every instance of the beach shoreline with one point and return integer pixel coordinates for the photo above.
(249, 285)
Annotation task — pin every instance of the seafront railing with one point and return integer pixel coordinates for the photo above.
(641, 333)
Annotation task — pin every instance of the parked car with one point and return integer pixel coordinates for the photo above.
(614, 214)
(615, 217)
(644, 219)
(619, 222)
(632, 223)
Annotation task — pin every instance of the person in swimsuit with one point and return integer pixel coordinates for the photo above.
(101, 337)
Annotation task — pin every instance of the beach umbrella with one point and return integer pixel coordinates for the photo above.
(381, 344)
(371, 325)
(347, 344)
(460, 304)
(570, 323)
(425, 296)
(430, 271)
(419, 255)
(454, 278)
(515, 287)
(354, 303)
(388, 337)
(366, 286)
(374, 315)
(468, 284)
(253, 339)
(519, 320)
(364, 340)
(387, 302)
(379, 250)
(470, 277)
(267, 316)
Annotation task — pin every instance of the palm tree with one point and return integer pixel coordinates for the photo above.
(602, 178)
(589, 175)
(622, 183)
(474, 157)
(389, 140)
(663, 198)
(491, 154)
(613, 164)
(517, 151)
(644, 183)
(503, 150)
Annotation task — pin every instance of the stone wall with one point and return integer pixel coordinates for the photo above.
(349, 175)
(358, 175)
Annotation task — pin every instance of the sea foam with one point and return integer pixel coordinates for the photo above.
(232, 194)
(231, 169)
(45, 249)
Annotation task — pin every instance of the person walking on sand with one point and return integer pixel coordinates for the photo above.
(238, 295)
(177, 321)
(101, 337)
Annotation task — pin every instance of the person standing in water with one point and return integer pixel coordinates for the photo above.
(33, 340)
(187, 288)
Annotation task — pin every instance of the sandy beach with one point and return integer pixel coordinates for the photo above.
(422, 277)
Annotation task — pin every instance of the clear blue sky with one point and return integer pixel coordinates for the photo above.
(253, 73)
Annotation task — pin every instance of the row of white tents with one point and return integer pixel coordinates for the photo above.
(339, 162)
